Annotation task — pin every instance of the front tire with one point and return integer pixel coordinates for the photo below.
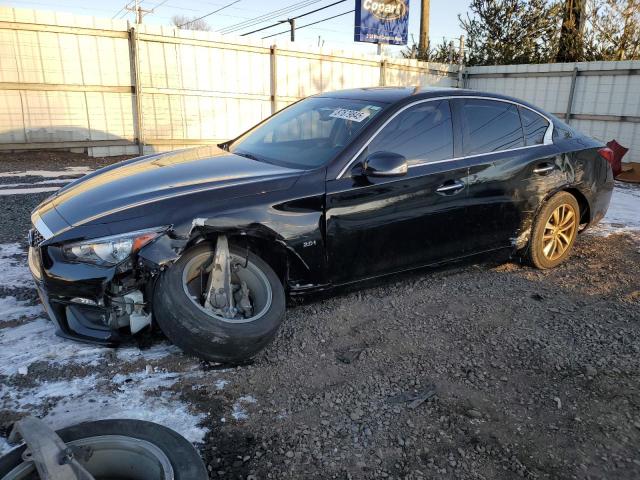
(196, 330)
(554, 231)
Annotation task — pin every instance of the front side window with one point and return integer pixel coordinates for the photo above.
(490, 126)
(534, 125)
(421, 133)
(308, 134)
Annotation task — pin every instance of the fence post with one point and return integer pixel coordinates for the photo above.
(461, 63)
(567, 116)
(274, 79)
(383, 73)
(135, 73)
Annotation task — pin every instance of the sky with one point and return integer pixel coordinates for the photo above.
(337, 33)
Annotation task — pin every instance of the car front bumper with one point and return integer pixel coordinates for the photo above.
(73, 296)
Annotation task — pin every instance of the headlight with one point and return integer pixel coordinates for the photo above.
(110, 250)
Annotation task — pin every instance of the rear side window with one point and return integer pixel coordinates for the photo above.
(534, 126)
(490, 126)
(421, 133)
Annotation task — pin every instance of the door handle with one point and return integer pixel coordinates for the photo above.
(450, 187)
(544, 168)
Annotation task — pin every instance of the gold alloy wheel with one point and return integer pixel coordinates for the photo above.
(559, 231)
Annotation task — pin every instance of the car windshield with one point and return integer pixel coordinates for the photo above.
(309, 133)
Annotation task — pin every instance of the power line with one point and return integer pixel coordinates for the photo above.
(209, 14)
(294, 18)
(267, 16)
(128, 4)
(313, 23)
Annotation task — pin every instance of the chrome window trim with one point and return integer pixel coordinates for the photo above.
(41, 226)
(547, 140)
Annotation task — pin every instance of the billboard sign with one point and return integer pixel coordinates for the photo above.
(382, 21)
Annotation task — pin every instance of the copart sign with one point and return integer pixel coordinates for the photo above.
(382, 21)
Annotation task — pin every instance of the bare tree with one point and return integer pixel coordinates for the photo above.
(613, 30)
(190, 23)
(443, 52)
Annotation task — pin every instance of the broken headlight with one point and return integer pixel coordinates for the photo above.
(109, 251)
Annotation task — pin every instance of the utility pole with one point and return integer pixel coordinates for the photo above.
(424, 26)
(461, 63)
(140, 12)
(292, 22)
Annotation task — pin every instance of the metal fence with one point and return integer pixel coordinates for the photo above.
(69, 81)
(601, 99)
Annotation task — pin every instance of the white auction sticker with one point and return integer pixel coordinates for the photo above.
(346, 114)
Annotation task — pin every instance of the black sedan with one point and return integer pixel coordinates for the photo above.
(336, 188)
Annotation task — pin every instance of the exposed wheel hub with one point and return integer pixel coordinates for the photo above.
(227, 286)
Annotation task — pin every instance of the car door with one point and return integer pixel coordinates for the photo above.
(510, 157)
(378, 225)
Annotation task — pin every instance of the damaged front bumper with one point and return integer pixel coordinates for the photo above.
(91, 303)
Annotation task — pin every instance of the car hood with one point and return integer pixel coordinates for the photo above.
(144, 180)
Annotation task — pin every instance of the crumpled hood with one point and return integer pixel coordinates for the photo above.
(145, 180)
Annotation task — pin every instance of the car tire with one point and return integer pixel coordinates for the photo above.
(185, 460)
(554, 231)
(197, 332)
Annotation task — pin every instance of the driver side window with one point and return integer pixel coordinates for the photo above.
(422, 133)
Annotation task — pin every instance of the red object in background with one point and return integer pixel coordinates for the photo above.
(613, 154)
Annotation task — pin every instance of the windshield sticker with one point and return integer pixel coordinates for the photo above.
(346, 114)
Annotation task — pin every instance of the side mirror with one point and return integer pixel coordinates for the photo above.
(385, 164)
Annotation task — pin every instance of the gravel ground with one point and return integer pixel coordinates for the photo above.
(474, 371)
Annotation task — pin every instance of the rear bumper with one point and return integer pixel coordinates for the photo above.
(600, 196)
(73, 297)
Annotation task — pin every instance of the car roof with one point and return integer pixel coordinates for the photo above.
(393, 95)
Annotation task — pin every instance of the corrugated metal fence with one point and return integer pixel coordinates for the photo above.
(71, 81)
(601, 99)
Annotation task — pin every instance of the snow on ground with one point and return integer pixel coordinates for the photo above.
(35, 342)
(141, 396)
(13, 309)
(67, 172)
(43, 182)
(239, 408)
(52, 177)
(13, 270)
(25, 191)
(624, 211)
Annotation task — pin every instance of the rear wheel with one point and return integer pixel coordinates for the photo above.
(554, 231)
(189, 318)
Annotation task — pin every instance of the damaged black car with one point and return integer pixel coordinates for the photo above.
(207, 243)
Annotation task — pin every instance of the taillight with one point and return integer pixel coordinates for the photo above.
(607, 154)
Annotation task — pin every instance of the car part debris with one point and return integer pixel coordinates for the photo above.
(416, 398)
(349, 356)
(52, 458)
(104, 449)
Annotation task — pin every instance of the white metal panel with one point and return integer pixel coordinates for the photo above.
(11, 117)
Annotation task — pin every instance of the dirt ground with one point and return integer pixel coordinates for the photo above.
(474, 371)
